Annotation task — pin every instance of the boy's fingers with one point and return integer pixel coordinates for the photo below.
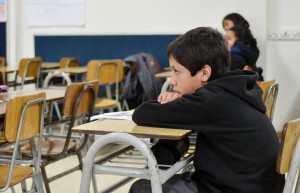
(167, 97)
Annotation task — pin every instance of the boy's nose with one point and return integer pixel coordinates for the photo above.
(172, 81)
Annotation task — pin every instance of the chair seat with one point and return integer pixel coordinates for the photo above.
(20, 173)
(54, 147)
(48, 148)
(104, 103)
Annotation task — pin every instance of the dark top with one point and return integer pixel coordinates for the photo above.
(242, 55)
(237, 145)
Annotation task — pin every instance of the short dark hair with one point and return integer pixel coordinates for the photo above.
(200, 46)
(237, 19)
(244, 35)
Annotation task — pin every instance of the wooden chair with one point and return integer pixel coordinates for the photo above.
(79, 102)
(107, 72)
(271, 100)
(23, 122)
(288, 161)
(28, 68)
(66, 62)
(265, 85)
(270, 92)
(50, 76)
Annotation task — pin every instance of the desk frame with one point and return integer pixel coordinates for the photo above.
(153, 173)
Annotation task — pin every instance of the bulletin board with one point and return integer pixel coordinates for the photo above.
(52, 48)
(3, 39)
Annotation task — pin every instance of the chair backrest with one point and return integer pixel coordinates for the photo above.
(105, 71)
(289, 138)
(29, 67)
(29, 119)
(265, 85)
(288, 160)
(270, 92)
(79, 97)
(271, 100)
(68, 62)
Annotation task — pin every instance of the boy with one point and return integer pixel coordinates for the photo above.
(237, 146)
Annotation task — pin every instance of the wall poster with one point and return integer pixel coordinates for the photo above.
(56, 12)
(3, 10)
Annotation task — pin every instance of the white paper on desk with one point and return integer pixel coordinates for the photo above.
(123, 115)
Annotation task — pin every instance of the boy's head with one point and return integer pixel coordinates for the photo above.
(242, 34)
(196, 57)
(234, 19)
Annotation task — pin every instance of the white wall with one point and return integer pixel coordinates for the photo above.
(279, 58)
(283, 59)
(143, 17)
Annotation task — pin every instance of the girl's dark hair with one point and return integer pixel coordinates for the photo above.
(201, 46)
(244, 35)
(237, 19)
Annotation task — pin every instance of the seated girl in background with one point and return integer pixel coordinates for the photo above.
(243, 49)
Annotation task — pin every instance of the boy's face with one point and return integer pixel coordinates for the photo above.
(231, 38)
(181, 79)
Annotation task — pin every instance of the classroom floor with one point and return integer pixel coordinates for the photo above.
(71, 183)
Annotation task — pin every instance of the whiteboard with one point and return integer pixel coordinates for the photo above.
(56, 12)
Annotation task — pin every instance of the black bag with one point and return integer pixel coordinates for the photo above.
(168, 152)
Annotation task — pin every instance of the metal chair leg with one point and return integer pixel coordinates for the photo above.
(24, 186)
(38, 182)
(12, 190)
(45, 178)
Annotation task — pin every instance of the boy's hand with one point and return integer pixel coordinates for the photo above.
(168, 96)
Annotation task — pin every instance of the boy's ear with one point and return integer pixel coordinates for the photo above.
(205, 73)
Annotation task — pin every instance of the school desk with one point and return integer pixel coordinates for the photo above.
(127, 132)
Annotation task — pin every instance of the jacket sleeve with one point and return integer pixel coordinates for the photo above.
(189, 112)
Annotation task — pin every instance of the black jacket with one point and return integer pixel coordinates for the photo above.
(237, 146)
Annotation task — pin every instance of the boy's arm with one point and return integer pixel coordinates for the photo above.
(189, 112)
